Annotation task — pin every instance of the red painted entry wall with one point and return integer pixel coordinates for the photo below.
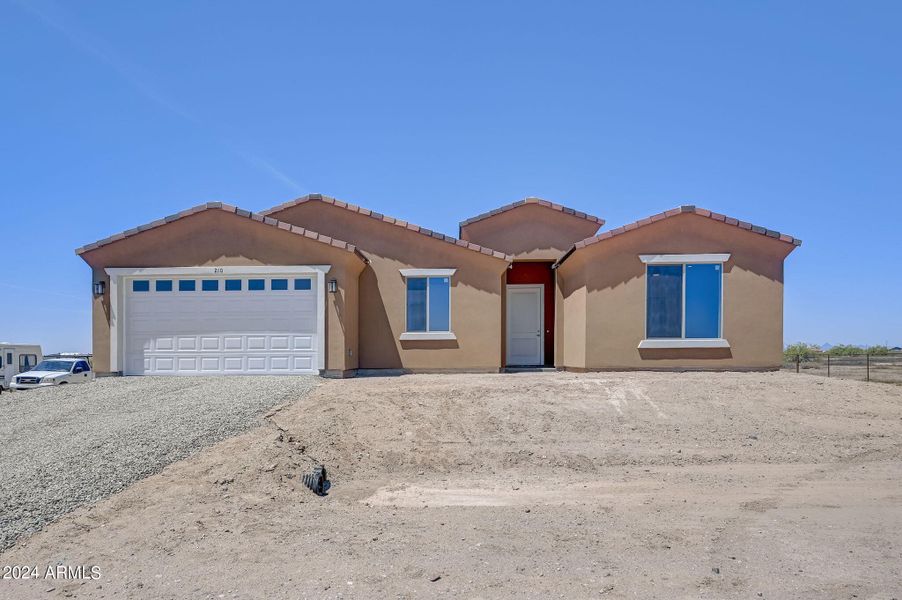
(538, 273)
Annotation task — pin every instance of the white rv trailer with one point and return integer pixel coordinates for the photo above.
(15, 359)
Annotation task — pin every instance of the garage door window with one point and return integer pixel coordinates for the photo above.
(256, 285)
(210, 285)
(140, 285)
(279, 284)
(163, 285)
(233, 285)
(187, 285)
(302, 284)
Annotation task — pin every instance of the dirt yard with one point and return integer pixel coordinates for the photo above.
(533, 485)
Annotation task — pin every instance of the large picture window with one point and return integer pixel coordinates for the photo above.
(684, 300)
(428, 303)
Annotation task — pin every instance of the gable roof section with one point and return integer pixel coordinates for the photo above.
(685, 209)
(312, 235)
(390, 220)
(538, 202)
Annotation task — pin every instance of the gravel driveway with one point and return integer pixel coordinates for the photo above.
(71, 445)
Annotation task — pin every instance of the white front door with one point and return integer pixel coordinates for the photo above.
(525, 327)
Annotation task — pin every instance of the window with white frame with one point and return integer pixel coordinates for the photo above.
(428, 303)
(684, 297)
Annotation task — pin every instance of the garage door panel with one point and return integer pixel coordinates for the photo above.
(210, 364)
(233, 364)
(187, 343)
(280, 363)
(213, 344)
(302, 342)
(137, 364)
(141, 343)
(162, 364)
(260, 331)
(233, 342)
(302, 363)
(163, 344)
(256, 364)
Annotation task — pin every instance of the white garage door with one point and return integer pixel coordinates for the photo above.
(227, 325)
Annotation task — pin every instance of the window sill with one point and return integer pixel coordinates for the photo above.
(428, 335)
(684, 343)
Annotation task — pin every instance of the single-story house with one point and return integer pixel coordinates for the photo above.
(317, 285)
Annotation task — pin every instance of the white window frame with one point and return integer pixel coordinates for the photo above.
(683, 341)
(408, 274)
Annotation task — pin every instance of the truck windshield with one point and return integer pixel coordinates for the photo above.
(54, 365)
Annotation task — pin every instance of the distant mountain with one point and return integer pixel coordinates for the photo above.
(828, 347)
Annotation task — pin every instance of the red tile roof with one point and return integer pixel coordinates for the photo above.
(232, 210)
(392, 221)
(539, 202)
(686, 209)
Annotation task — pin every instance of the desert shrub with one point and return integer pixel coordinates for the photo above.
(850, 350)
(878, 350)
(845, 350)
(805, 352)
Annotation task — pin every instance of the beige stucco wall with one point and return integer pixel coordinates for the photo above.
(573, 350)
(529, 232)
(218, 238)
(560, 332)
(476, 292)
(604, 287)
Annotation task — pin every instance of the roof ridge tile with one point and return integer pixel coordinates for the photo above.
(385, 219)
(684, 209)
(537, 201)
(258, 217)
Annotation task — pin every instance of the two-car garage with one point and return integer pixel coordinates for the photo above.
(216, 290)
(218, 320)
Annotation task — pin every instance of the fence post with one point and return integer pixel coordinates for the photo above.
(868, 359)
(828, 365)
(798, 360)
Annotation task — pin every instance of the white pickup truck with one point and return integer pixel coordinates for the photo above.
(54, 371)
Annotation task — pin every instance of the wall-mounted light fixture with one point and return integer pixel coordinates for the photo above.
(99, 286)
(333, 286)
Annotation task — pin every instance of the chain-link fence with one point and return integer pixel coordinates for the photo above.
(885, 368)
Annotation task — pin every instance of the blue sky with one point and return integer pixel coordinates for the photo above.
(785, 114)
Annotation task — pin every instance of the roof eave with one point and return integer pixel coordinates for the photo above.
(685, 209)
(228, 208)
(391, 221)
(538, 202)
